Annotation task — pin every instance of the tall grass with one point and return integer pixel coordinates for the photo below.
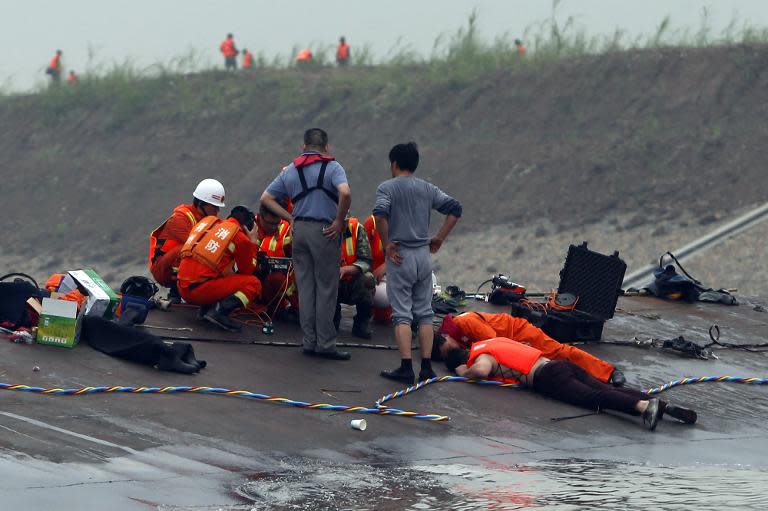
(457, 59)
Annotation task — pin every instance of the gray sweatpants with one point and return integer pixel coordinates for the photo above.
(316, 263)
(409, 286)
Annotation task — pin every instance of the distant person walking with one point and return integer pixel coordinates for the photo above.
(230, 52)
(55, 68)
(402, 211)
(521, 49)
(72, 79)
(247, 59)
(342, 52)
(317, 186)
(304, 57)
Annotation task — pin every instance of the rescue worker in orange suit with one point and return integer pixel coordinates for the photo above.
(505, 360)
(166, 241)
(304, 57)
(464, 330)
(217, 266)
(278, 292)
(230, 52)
(72, 78)
(342, 52)
(247, 59)
(357, 282)
(55, 67)
(382, 310)
(521, 49)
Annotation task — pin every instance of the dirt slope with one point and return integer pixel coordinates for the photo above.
(662, 139)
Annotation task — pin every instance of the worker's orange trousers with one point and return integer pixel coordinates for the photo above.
(211, 291)
(550, 348)
(166, 267)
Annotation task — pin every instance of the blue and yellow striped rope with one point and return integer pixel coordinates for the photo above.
(439, 379)
(707, 379)
(225, 392)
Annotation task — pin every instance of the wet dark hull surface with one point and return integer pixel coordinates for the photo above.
(501, 449)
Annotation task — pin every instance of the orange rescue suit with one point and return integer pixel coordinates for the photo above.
(479, 326)
(304, 55)
(377, 248)
(166, 241)
(276, 245)
(514, 355)
(247, 60)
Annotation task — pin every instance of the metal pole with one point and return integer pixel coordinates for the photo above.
(722, 233)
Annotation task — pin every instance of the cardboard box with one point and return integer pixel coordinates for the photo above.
(59, 323)
(102, 300)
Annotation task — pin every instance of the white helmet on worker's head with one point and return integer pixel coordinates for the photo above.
(210, 191)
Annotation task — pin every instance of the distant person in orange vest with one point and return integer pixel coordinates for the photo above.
(230, 52)
(342, 52)
(217, 265)
(357, 282)
(521, 49)
(54, 68)
(304, 57)
(72, 78)
(247, 59)
(166, 241)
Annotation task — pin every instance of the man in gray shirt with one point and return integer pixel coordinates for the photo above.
(317, 185)
(403, 208)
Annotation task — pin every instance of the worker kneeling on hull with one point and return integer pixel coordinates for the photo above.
(217, 265)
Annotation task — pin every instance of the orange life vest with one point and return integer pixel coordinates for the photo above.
(274, 246)
(342, 52)
(209, 241)
(228, 48)
(377, 248)
(304, 55)
(55, 63)
(247, 60)
(349, 244)
(518, 357)
(521, 51)
(156, 244)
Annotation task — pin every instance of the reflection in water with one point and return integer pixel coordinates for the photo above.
(554, 484)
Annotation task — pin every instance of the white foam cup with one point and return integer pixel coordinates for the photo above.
(359, 424)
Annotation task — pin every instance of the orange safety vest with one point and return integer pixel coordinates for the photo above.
(342, 52)
(228, 48)
(349, 245)
(517, 356)
(377, 248)
(304, 55)
(274, 246)
(247, 60)
(209, 241)
(55, 63)
(156, 244)
(521, 51)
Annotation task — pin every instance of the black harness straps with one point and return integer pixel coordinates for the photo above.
(306, 190)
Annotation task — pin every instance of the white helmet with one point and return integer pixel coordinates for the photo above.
(210, 191)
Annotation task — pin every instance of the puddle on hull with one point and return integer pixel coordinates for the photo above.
(554, 484)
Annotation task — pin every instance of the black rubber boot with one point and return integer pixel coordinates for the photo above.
(362, 321)
(173, 294)
(219, 315)
(403, 374)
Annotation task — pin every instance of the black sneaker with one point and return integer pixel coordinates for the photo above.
(402, 375)
(617, 378)
(426, 374)
(685, 415)
(652, 414)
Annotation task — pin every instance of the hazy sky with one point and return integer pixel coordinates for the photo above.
(149, 31)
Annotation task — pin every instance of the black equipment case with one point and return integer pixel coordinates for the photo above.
(596, 280)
